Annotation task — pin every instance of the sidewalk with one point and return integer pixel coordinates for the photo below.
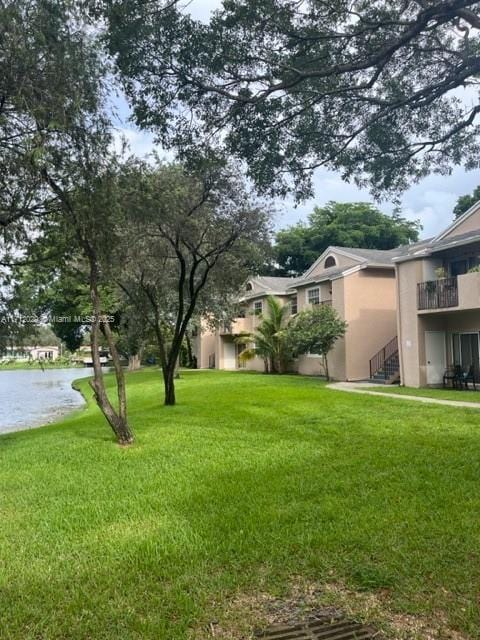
(363, 387)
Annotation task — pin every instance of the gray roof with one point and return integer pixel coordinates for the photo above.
(367, 258)
(431, 245)
(377, 256)
(326, 274)
(275, 284)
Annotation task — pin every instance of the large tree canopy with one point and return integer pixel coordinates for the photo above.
(370, 88)
(348, 224)
(51, 86)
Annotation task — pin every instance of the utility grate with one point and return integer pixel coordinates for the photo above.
(321, 629)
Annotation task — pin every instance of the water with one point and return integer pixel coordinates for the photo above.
(30, 398)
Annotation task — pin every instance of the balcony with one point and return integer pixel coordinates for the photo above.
(437, 294)
(461, 292)
(239, 325)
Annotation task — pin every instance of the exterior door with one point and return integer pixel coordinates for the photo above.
(229, 355)
(435, 353)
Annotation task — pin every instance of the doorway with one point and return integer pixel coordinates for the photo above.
(436, 356)
(466, 351)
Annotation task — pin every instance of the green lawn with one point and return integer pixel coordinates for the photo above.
(441, 394)
(251, 484)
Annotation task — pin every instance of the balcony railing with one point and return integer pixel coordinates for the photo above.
(437, 294)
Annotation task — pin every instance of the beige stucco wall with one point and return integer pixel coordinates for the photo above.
(472, 223)
(205, 345)
(366, 299)
(449, 323)
(408, 274)
(469, 291)
(302, 293)
(370, 311)
(341, 260)
(312, 365)
(412, 324)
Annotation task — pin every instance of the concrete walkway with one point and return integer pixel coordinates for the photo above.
(363, 387)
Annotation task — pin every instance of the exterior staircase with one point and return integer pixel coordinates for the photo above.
(385, 365)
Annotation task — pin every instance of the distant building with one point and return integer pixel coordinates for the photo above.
(83, 355)
(31, 353)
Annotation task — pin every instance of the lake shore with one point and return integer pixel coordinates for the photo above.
(35, 364)
(32, 398)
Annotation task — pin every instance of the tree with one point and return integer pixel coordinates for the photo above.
(465, 202)
(190, 237)
(269, 338)
(52, 72)
(316, 330)
(349, 224)
(371, 89)
(87, 189)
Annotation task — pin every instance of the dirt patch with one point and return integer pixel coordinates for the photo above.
(245, 615)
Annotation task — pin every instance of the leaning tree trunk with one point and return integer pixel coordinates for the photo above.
(116, 419)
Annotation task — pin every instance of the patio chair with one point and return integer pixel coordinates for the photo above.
(453, 376)
(468, 377)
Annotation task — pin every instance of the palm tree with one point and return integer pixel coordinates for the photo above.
(269, 339)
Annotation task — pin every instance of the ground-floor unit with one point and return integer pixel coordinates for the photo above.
(359, 284)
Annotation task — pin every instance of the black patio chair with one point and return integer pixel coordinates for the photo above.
(453, 376)
(469, 377)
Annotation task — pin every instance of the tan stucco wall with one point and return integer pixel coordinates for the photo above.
(412, 325)
(472, 223)
(342, 261)
(205, 345)
(312, 365)
(302, 293)
(366, 299)
(370, 311)
(469, 291)
(408, 274)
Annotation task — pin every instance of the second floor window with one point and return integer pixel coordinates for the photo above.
(257, 307)
(314, 296)
(294, 306)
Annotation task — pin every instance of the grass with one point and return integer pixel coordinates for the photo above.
(250, 483)
(441, 394)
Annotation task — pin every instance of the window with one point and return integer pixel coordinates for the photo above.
(313, 296)
(330, 262)
(257, 307)
(459, 267)
(249, 286)
(466, 352)
(294, 305)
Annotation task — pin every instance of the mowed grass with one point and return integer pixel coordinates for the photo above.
(250, 482)
(461, 395)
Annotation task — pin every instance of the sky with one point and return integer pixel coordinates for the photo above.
(431, 201)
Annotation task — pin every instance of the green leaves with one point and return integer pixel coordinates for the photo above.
(315, 330)
(347, 224)
(270, 337)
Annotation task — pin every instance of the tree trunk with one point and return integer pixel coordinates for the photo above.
(117, 420)
(134, 362)
(169, 384)
(191, 358)
(325, 365)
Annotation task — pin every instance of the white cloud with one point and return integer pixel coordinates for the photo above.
(139, 143)
(201, 9)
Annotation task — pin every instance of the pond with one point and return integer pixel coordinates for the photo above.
(31, 398)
